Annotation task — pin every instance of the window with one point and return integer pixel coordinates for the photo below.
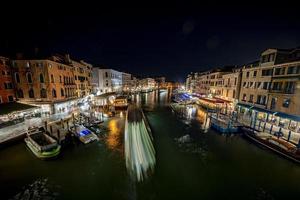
(244, 84)
(62, 92)
(20, 93)
(53, 93)
(42, 78)
(17, 77)
(265, 85)
(29, 77)
(8, 86)
(286, 102)
(233, 94)
(75, 77)
(60, 79)
(235, 81)
(258, 84)
(289, 87)
(251, 98)
(43, 93)
(106, 74)
(254, 73)
(27, 64)
(267, 72)
(258, 100)
(280, 71)
(277, 86)
(250, 84)
(273, 103)
(10, 98)
(31, 93)
(52, 78)
(293, 70)
(244, 97)
(247, 75)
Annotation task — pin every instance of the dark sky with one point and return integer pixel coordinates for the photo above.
(171, 40)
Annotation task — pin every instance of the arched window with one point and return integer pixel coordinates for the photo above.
(31, 93)
(43, 93)
(54, 93)
(17, 77)
(42, 78)
(62, 92)
(29, 77)
(20, 93)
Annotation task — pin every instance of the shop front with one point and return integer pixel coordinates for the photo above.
(275, 123)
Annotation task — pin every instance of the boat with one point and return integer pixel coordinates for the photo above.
(275, 144)
(42, 145)
(121, 102)
(224, 125)
(83, 134)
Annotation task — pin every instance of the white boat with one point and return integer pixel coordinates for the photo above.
(84, 135)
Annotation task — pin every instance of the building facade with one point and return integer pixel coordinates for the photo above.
(49, 83)
(106, 80)
(126, 81)
(147, 83)
(82, 77)
(7, 93)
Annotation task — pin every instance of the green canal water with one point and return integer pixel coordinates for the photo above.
(210, 166)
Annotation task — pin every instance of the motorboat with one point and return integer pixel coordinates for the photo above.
(83, 134)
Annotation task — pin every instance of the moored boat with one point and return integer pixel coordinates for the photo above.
(42, 145)
(277, 145)
(83, 134)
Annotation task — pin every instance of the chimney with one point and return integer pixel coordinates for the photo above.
(67, 58)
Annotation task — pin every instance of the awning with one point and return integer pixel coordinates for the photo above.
(278, 114)
(256, 108)
(287, 116)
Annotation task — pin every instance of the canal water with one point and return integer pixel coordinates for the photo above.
(190, 164)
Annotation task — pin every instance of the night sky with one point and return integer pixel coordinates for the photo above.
(172, 40)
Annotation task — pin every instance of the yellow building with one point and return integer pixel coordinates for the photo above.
(49, 83)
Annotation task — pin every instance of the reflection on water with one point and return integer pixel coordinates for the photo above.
(115, 134)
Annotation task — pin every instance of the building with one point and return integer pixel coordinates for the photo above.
(7, 93)
(126, 81)
(47, 82)
(147, 84)
(160, 81)
(82, 77)
(106, 80)
(231, 85)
